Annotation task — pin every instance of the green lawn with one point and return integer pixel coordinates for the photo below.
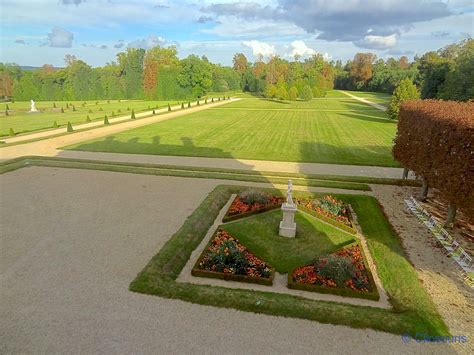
(332, 130)
(21, 121)
(313, 238)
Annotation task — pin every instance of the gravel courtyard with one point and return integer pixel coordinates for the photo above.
(73, 240)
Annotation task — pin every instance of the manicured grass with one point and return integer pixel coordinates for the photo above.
(21, 121)
(259, 233)
(322, 131)
(414, 312)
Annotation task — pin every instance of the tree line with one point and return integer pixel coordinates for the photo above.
(158, 73)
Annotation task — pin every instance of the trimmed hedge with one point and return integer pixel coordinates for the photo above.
(344, 292)
(435, 139)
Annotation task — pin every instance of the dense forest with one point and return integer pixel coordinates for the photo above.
(158, 73)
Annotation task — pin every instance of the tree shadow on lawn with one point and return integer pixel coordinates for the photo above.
(368, 118)
(110, 144)
(370, 155)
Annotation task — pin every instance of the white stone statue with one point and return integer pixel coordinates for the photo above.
(288, 224)
(33, 106)
(289, 198)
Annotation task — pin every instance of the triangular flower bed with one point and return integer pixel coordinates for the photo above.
(227, 259)
(344, 273)
(252, 202)
(330, 210)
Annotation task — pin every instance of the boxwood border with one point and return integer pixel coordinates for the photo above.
(345, 292)
(196, 271)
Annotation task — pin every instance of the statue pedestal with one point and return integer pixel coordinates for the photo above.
(288, 225)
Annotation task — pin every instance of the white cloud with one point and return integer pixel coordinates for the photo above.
(299, 48)
(148, 42)
(377, 42)
(59, 37)
(260, 48)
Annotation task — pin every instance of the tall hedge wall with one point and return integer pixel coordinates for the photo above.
(435, 139)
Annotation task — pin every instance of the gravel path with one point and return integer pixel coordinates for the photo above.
(365, 101)
(71, 242)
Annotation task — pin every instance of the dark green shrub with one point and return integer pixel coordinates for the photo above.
(106, 120)
(169, 107)
(69, 127)
(8, 107)
(90, 111)
(189, 104)
(67, 105)
(205, 100)
(212, 100)
(62, 110)
(335, 267)
(101, 109)
(88, 119)
(6, 113)
(54, 104)
(153, 112)
(128, 108)
(55, 124)
(198, 102)
(119, 111)
(182, 105)
(73, 108)
(12, 132)
(133, 115)
(251, 197)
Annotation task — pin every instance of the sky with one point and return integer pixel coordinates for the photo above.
(38, 32)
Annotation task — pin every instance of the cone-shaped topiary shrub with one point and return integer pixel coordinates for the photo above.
(212, 99)
(8, 107)
(88, 119)
(6, 113)
(182, 105)
(54, 104)
(101, 109)
(67, 105)
(205, 100)
(62, 110)
(73, 108)
(113, 114)
(189, 104)
(55, 124)
(119, 111)
(128, 108)
(106, 120)
(133, 115)
(69, 127)
(154, 112)
(90, 111)
(198, 102)
(12, 132)
(169, 107)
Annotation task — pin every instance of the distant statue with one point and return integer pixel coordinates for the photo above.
(289, 198)
(33, 106)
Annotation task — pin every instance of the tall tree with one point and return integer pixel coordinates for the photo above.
(361, 69)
